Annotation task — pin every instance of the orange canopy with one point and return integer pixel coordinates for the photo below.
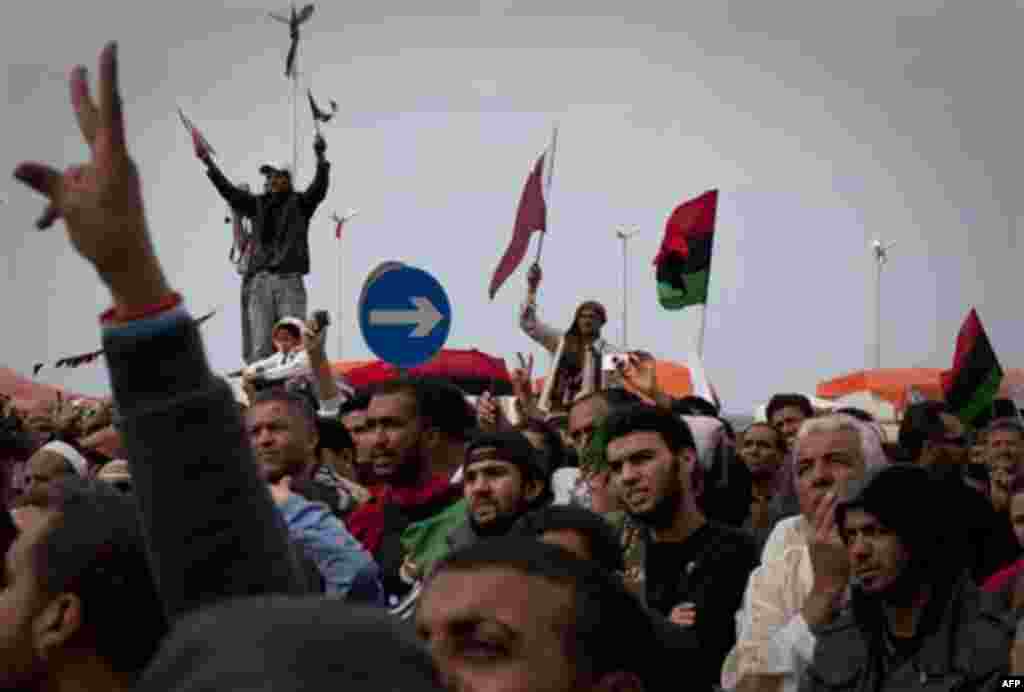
(673, 379)
(891, 384)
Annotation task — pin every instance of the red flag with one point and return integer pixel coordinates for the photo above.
(337, 229)
(531, 216)
(199, 143)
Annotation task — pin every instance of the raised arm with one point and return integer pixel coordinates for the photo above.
(546, 336)
(181, 426)
(317, 190)
(240, 200)
(330, 397)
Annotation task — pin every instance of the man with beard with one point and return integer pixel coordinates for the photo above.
(982, 540)
(504, 477)
(917, 621)
(408, 428)
(693, 570)
(576, 369)
(282, 430)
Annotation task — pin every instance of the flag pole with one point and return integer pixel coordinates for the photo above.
(880, 253)
(700, 329)
(295, 117)
(341, 221)
(625, 236)
(547, 187)
(341, 301)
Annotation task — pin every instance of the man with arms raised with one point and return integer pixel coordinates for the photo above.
(186, 442)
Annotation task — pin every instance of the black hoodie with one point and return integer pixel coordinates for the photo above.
(958, 642)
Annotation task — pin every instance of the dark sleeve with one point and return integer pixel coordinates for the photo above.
(721, 598)
(240, 200)
(317, 190)
(212, 530)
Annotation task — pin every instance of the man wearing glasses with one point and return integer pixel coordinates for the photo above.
(932, 437)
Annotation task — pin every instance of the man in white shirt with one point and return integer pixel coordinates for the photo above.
(804, 571)
(290, 360)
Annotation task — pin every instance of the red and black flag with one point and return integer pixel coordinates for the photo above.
(973, 382)
(684, 260)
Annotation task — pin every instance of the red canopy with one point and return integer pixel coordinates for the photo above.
(471, 370)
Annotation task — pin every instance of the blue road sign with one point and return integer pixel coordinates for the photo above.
(405, 316)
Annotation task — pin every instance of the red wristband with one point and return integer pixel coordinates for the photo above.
(119, 314)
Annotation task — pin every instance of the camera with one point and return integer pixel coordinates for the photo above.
(322, 318)
(613, 361)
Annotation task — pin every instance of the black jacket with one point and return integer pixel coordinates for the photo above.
(280, 224)
(714, 581)
(967, 649)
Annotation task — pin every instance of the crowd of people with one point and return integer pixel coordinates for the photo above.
(597, 535)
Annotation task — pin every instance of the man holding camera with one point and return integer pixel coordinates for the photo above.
(273, 286)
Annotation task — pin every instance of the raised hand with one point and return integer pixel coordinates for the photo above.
(101, 201)
(533, 277)
(522, 386)
(829, 557)
(488, 413)
(313, 338)
(830, 563)
(638, 371)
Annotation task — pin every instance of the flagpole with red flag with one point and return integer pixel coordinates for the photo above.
(547, 188)
(531, 215)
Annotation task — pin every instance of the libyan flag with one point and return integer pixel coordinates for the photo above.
(973, 383)
(684, 260)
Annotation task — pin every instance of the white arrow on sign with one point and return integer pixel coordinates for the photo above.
(425, 317)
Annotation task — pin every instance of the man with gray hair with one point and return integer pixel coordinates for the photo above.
(804, 571)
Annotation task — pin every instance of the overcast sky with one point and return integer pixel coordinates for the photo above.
(822, 124)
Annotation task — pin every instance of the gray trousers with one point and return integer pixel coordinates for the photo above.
(266, 299)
